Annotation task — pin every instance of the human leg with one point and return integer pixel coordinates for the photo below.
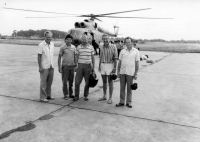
(104, 79)
(129, 91)
(122, 88)
(43, 84)
(64, 80)
(49, 82)
(110, 82)
(78, 80)
(87, 72)
(71, 80)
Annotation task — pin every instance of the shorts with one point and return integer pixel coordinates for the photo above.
(106, 68)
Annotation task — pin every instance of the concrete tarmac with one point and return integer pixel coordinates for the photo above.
(166, 104)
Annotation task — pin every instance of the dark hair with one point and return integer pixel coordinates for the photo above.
(128, 38)
(68, 36)
(147, 56)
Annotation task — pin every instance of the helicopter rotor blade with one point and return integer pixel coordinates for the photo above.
(97, 19)
(52, 17)
(37, 11)
(121, 12)
(135, 17)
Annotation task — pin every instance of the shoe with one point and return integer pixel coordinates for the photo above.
(71, 96)
(44, 100)
(102, 99)
(65, 97)
(50, 98)
(109, 102)
(119, 105)
(76, 98)
(85, 98)
(129, 105)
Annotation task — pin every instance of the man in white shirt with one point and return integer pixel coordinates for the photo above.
(128, 67)
(46, 66)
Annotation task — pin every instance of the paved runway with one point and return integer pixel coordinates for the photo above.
(166, 105)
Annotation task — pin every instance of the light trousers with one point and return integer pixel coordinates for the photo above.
(46, 79)
(125, 80)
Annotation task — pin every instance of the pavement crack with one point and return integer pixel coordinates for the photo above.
(136, 117)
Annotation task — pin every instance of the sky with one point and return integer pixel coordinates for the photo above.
(185, 25)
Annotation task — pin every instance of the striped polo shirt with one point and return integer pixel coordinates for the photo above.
(108, 54)
(85, 54)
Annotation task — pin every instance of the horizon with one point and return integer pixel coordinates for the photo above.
(185, 24)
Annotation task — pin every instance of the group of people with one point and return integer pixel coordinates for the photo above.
(81, 60)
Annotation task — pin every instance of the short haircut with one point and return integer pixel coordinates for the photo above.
(48, 32)
(104, 35)
(85, 36)
(68, 36)
(128, 38)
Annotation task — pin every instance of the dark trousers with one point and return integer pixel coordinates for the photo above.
(46, 79)
(67, 76)
(125, 80)
(83, 70)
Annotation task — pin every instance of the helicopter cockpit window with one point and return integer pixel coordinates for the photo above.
(86, 20)
(69, 32)
(76, 34)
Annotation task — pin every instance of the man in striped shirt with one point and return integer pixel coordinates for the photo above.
(86, 64)
(107, 66)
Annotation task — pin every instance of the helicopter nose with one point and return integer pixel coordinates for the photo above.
(76, 42)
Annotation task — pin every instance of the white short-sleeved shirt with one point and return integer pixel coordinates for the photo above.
(47, 52)
(128, 59)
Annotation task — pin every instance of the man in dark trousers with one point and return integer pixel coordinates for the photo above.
(68, 54)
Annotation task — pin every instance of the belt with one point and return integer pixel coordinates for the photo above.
(106, 62)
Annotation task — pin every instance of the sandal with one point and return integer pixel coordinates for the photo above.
(102, 99)
(109, 102)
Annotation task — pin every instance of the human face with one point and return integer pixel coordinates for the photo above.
(84, 39)
(68, 41)
(128, 43)
(105, 40)
(48, 38)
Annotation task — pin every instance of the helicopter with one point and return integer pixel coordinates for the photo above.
(89, 25)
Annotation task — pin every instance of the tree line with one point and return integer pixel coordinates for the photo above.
(38, 33)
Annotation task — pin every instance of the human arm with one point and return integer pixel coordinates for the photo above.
(118, 68)
(76, 62)
(59, 63)
(40, 63)
(93, 62)
(136, 69)
(136, 65)
(115, 60)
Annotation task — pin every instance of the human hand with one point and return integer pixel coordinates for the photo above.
(114, 70)
(99, 69)
(59, 69)
(41, 70)
(118, 75)
(135, 76)
(75, 69)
